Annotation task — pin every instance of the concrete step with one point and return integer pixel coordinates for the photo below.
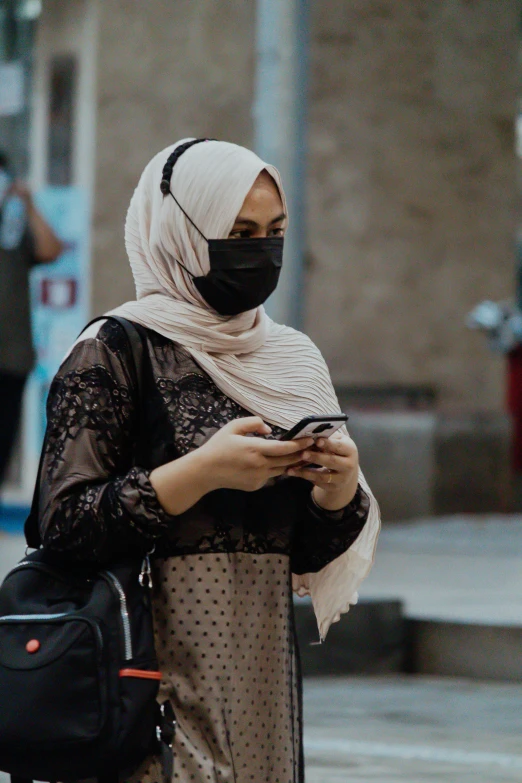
(376, 638)
(371, 639)
(484, 652)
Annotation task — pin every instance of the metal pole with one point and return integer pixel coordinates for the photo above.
(280, 133)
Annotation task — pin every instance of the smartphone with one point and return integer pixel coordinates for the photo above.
(316, 426)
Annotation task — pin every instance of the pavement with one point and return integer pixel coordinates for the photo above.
(11, 550)
(412, 730)
(460, 569)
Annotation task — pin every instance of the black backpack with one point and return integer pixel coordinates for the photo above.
(78, 669)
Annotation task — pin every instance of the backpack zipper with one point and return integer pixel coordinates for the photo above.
(22, 617)
(124, 613)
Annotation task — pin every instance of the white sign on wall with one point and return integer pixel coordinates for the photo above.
(11, 88)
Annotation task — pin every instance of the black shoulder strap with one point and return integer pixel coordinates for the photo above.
(31, 527)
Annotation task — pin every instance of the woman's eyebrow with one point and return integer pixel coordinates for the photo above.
(254, 223)
(246, 222)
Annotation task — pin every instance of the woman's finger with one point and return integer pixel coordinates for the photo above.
(321, 477)
(285, 461)
(330, 461)
(274, 472)
(343, 446)
(281, 448)
(248, 425)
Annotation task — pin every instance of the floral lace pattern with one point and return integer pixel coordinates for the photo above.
(97, 498)
(87, 399)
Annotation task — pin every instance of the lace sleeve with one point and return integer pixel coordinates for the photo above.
(323, 535)
(94, 502)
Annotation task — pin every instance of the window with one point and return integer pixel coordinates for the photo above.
(61, 120)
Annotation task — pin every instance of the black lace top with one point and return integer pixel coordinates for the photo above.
(96, 496)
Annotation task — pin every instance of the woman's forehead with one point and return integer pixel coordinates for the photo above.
(263, 195)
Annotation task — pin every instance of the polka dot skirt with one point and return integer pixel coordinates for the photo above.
(226, 649)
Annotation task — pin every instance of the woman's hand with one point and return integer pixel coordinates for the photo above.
(335, 482)
(229, 459)
(236, 461)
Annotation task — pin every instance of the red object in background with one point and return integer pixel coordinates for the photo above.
(514, 403)
(59, 292)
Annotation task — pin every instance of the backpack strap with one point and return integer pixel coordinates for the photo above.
(31, 527)
(111, 776)
(166, 729)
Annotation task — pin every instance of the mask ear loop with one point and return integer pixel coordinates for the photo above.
(187, 216)
(167, 174)
(165, 187)
(189, 219)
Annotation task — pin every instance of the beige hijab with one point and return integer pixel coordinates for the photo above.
(272, 370)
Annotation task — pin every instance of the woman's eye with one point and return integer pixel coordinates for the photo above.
(246, 233)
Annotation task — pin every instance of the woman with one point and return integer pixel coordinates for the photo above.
(231, 511)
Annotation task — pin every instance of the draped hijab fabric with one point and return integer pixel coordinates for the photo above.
(272, 370)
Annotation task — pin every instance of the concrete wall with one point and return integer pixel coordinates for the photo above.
(411, 190)
(165, 70)
(424, 465)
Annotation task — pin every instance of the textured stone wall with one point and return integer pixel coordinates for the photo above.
(166, 70)
(411, 190)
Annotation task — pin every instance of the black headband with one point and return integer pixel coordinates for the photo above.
(173, 157)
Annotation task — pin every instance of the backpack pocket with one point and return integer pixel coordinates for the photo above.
(52, 673)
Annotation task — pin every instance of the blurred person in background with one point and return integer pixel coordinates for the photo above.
(26, 239)
(235, 516)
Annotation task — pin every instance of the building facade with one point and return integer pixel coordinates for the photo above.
(411, 191)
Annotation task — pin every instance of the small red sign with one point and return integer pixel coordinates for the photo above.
(59, 292)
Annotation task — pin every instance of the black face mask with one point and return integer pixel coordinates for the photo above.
(243, 272)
